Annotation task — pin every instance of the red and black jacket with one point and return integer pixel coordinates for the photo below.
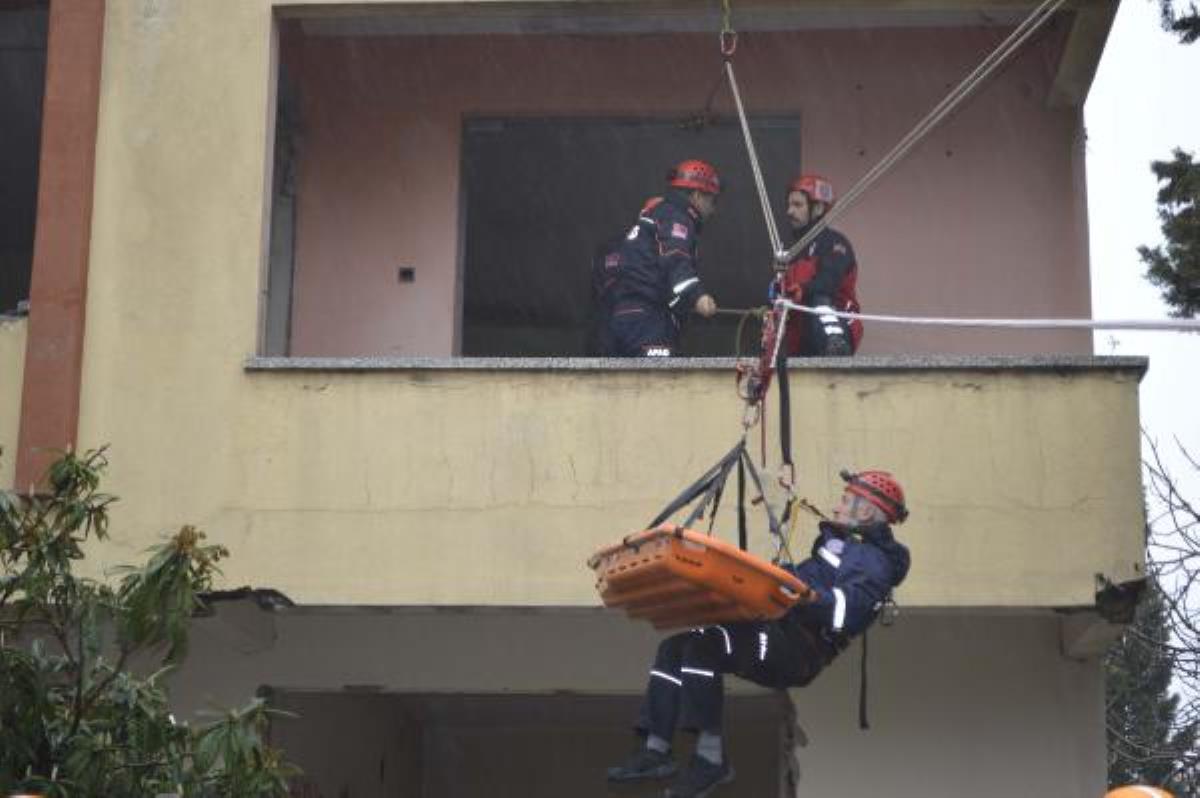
(824, 273)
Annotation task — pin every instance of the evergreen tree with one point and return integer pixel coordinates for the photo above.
(1176, 268)
(77, 719)
(1184, 21)
(1146, 742)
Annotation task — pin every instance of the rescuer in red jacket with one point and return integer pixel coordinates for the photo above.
(822, 276)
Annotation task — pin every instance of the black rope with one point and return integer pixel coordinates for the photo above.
(785, 406)
(741, 504)
(862, 688)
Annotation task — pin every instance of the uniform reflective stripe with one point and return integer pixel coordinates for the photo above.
(839, 609)
(728, 642)
(762, 645)
(682, 286)
(667, 676)
(697, 672)
(674, 301)
(829, 557)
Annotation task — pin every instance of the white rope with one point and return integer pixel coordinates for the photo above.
(1175, 325)
(1006, 48)
(768, 214)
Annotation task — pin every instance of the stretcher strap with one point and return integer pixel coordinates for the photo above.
(772, 520)
(717, 473)
(712, 496)
(709, 487)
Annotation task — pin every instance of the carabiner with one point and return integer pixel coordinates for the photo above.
(752, 415)
(787, 478)
(728, 43)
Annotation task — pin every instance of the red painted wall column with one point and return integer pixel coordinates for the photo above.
(58, 292)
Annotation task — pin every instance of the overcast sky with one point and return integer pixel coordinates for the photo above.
(1145, 102)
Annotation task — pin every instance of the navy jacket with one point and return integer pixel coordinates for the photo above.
(659, 257)
(851, 578)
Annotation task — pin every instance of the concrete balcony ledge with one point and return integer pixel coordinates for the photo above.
(489, 481)
(1035, 363)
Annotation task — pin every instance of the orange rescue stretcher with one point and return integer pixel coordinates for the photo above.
(676, 577)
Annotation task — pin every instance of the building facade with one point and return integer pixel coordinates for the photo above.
(316, 273)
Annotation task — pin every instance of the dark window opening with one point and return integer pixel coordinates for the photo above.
(23, 29)
(540, 194)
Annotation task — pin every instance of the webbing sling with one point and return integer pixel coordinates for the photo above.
(718, 472)
(709, 487)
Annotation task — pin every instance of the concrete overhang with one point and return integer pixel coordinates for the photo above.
(1087, 22)
(446, 477)
(646, 16)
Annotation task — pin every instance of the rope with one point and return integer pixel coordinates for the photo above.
(1173, 325)
(768, 214)
(1006, 48)
(728, 41)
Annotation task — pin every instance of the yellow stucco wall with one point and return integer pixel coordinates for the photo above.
(452, 487)
(460, 487)
(12, 370)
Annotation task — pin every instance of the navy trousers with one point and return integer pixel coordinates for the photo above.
(686, 681)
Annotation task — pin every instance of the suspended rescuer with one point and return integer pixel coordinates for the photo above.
(822, 276)
(854, 565)
(645, 286)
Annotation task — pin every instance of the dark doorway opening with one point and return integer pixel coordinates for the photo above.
(371, 745)
(23, 27)
(541, 193)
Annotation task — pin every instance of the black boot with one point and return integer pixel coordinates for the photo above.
(837, 346)
(700, 778)
(645, 764)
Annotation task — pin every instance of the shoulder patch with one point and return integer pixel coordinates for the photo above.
(679, 230)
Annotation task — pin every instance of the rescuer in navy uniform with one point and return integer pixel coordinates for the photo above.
(854, 565)
(648, 284)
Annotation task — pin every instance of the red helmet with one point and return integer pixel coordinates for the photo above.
(816, 187)
(881, 489)
(695, 174)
